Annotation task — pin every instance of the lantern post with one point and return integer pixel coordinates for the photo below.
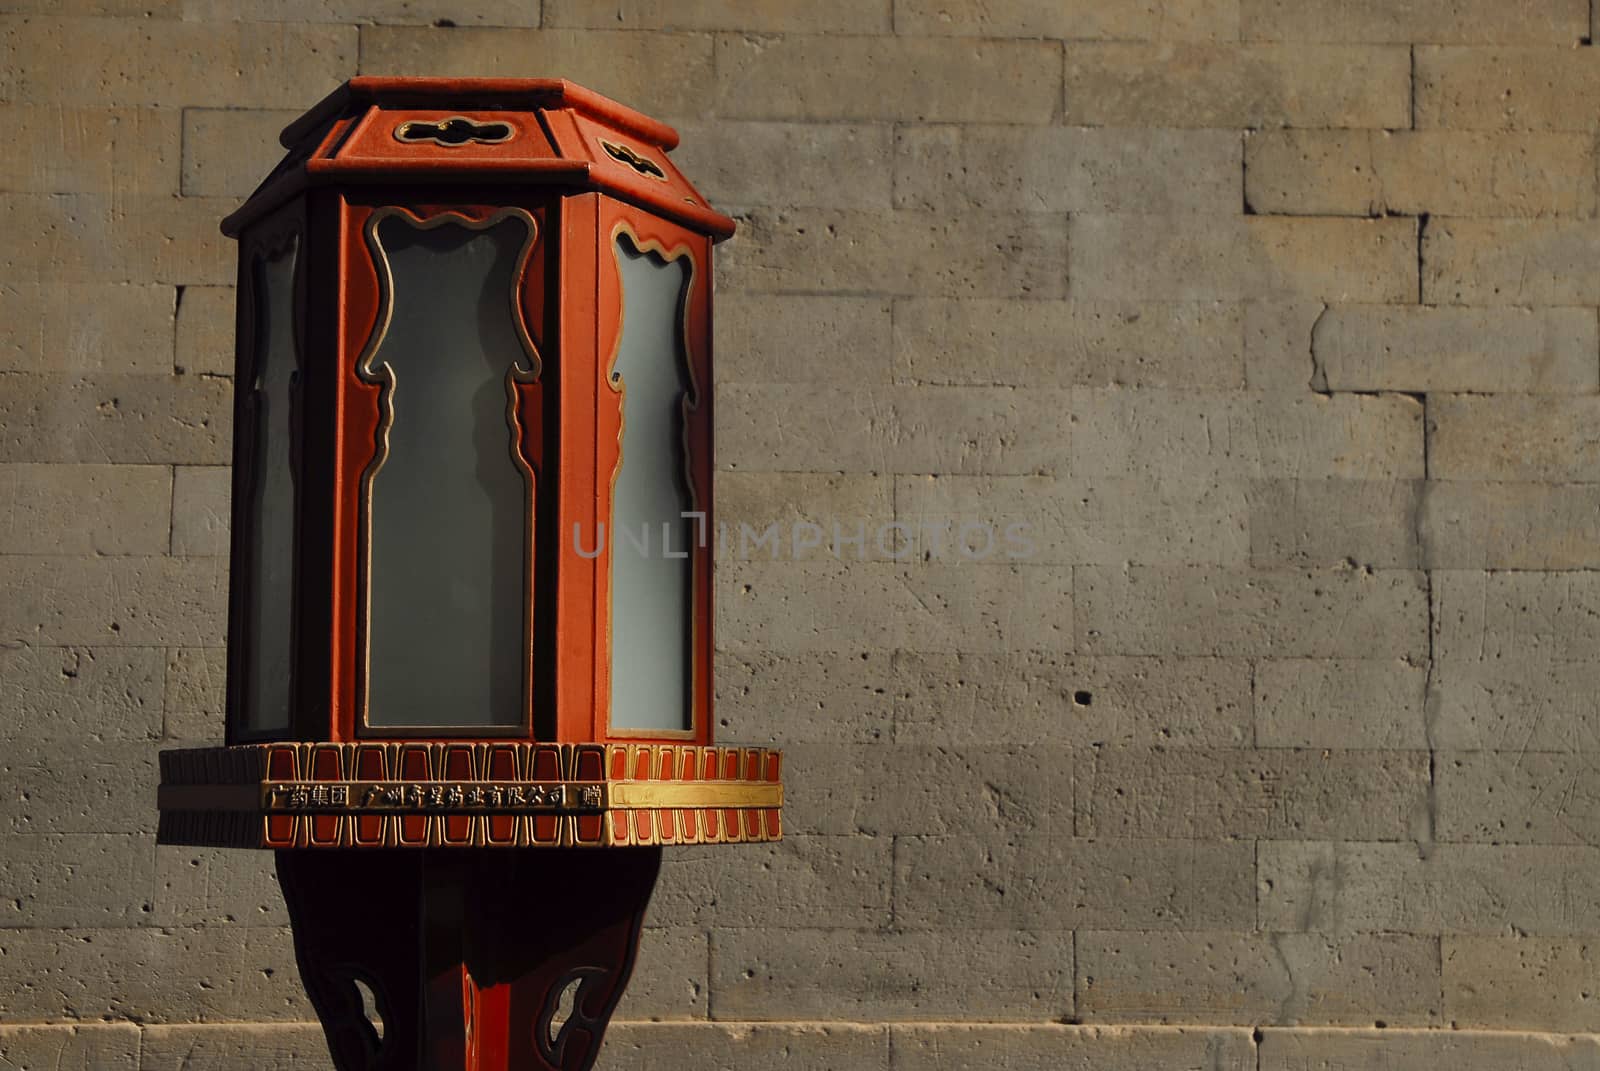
(469, 646)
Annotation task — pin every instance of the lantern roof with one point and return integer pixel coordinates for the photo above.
(514, 131)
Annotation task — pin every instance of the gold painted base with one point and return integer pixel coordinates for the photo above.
(488, 794)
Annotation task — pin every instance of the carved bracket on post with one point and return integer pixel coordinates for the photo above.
(521, 956)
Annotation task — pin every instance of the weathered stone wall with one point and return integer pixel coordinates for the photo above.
(1274, 319)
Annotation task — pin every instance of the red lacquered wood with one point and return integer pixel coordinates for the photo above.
(414, 766)
(326, 765)
(370, 765)
(458, 766)
(577, 514)
(502, 766)
(589, 765)
(281, 766)
(546, 767)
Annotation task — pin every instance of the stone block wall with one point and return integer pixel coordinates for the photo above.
(1274, 321)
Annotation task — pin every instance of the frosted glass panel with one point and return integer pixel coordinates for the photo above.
(652, 609)
(271, 583)
(449, 511)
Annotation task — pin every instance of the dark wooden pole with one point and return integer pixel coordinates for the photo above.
(476, 959)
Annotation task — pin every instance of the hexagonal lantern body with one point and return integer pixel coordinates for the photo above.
(471, 572)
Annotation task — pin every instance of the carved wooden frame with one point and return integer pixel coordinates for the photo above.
(520, 384)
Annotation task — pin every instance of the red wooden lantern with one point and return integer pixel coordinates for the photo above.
(471, 571)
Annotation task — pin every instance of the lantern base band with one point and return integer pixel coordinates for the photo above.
(405, 795)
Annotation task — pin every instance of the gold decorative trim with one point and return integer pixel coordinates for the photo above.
(385, 379)
(466, 797)
(690, 404)
(393, 797)
(647, 795)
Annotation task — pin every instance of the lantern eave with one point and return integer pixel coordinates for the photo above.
(540, 132)
(513, 94)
